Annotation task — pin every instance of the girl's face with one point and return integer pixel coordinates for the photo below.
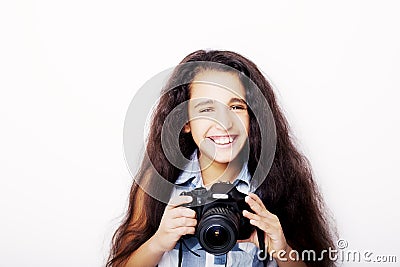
(218, 117)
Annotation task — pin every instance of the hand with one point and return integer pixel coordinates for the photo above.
(175, 222)
(266, 221)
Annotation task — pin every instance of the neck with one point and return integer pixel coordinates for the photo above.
(214, 171)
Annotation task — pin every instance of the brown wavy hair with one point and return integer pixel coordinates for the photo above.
(288, 190)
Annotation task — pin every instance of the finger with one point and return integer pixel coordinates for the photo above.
(248, 240)
(257, 199)
(251, 216)
(181, 212)
(261, 225)
(271, 222)
(178, 200)
(183, 222)
(273, 232)
(264, 210)
(266, 224)
(255, 206)
(184, 231)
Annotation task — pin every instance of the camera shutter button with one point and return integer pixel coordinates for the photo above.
(199, 191)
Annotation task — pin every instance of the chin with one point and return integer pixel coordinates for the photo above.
(222, 156)
(225, 158)
(222, 161)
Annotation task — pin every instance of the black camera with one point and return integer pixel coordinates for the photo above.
(220, 220)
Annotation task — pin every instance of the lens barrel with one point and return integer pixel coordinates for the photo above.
(218, 229)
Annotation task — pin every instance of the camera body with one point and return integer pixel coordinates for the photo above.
(220, 220)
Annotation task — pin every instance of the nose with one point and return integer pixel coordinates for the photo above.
(224, 119)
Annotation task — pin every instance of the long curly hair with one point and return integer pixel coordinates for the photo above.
(288, 190)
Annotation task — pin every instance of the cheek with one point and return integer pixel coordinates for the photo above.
(199, 128)
(245, 123)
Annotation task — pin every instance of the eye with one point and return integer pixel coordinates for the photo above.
(238, 107)
(209, 109)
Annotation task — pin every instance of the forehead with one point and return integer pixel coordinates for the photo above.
(218, 85)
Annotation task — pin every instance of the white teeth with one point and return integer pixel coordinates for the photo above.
(223, 140)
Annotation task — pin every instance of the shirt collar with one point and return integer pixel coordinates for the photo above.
(192, 171)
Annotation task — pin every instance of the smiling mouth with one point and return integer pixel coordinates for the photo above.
(222, 140)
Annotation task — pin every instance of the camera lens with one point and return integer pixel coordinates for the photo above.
(216, 235)
(218, 230)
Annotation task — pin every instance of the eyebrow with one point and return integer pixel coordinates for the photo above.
(240, 100)
(205, 102)
(210, 101)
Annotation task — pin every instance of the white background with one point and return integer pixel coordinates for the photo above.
(69, 69)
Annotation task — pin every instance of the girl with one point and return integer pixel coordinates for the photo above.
(223, 130)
